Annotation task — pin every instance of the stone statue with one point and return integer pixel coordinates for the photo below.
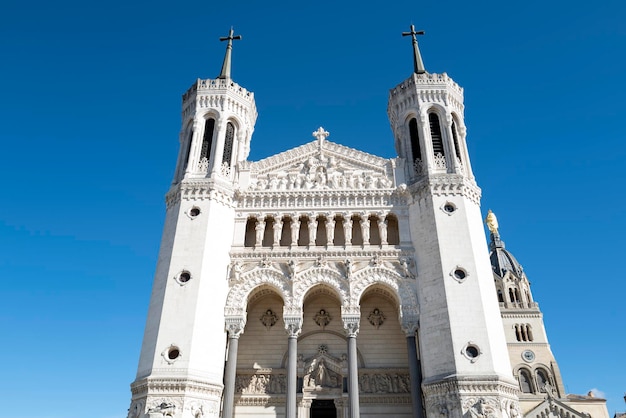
(312, 230)
(330, 230)
(295, 230)
(382, 229)
(260, 231)
(278, 229)
(365, 229)
(492, 222)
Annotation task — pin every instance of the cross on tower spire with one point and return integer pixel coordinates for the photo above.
(418, 65)
(225, 73)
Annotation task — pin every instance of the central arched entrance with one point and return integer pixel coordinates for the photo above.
(323, 408)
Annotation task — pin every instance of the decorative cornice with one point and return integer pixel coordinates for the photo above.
(200, 189)
(446, 185)
(160, 385)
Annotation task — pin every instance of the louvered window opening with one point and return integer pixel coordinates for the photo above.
(435, 133)
(455, 138)
(228, 144)
(207, 141)
(415, 140)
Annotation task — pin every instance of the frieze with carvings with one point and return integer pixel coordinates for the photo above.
(260, 383)
(384, 381)
(322, 165)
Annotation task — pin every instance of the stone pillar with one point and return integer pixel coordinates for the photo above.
(330, 229)
(415, 369)
(235, 329)
(295, 229)
(347, 228)
(293, 326)
(351, 325)
(312, 229)
(382, 227)
(304, 409)
(364, 222)
(278, 229)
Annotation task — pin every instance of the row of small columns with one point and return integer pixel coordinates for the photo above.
(386, 226)
(293, 326)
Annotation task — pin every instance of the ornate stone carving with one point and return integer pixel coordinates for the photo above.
(322, 318)
(163, 407)
(439, 161)
(203, 165)
(330, 229)
(351, 325)
(293, 325)
(135, 410)
(365, 228)
(260, 383)
(376, 318)
(480, 408)
(318, 375)
(278, 229)
(384, 383)
(259, 230)
(268, 319)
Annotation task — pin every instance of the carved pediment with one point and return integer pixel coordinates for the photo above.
(552, 407)
(321, 165)
(323, 371)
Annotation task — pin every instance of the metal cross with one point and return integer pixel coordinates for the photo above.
(225, 73)
(418, 65)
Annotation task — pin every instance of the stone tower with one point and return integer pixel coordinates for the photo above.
(465, 363)
(181, 365)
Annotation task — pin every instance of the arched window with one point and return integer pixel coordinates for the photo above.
(435, 133)
(529, 332)
(542, 379)
(393, 231)
(518, 334)
(207, 140)
(511, 296)
(416, 151)
(228, 144)
(455, 139)
(525, 384)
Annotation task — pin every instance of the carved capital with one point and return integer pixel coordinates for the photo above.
(235, 326)
(351, 318)
(410, 327)
(293, 325)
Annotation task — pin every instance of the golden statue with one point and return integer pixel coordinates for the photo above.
(492, 222)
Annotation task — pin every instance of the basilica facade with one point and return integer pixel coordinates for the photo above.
(328, 282)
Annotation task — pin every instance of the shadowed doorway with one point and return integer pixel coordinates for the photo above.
(323, 408)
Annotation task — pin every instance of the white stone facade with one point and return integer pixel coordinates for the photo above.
(329, 280)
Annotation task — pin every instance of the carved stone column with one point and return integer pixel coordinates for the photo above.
(415, 369)
(347, 227)
(293, 326)
(259, 230)
(235, 329)
(278, 229)
(382, 227)
(364, 222)
(351, 325)
(304, 409)
(295, 229)
(312, 229)
(330, 229)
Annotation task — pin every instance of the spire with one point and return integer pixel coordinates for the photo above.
(418, 65)
(225, 73)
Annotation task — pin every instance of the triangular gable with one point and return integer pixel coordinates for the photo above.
(552, 407)
(322, 165)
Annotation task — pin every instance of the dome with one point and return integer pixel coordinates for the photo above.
(501, 259)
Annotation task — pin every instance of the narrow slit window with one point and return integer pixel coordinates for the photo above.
(207, 141)
(455, 138)
(415, 140)
(188, 153)
(228, 144)
(435, 133)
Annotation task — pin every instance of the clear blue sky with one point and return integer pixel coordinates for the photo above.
(90, 97)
